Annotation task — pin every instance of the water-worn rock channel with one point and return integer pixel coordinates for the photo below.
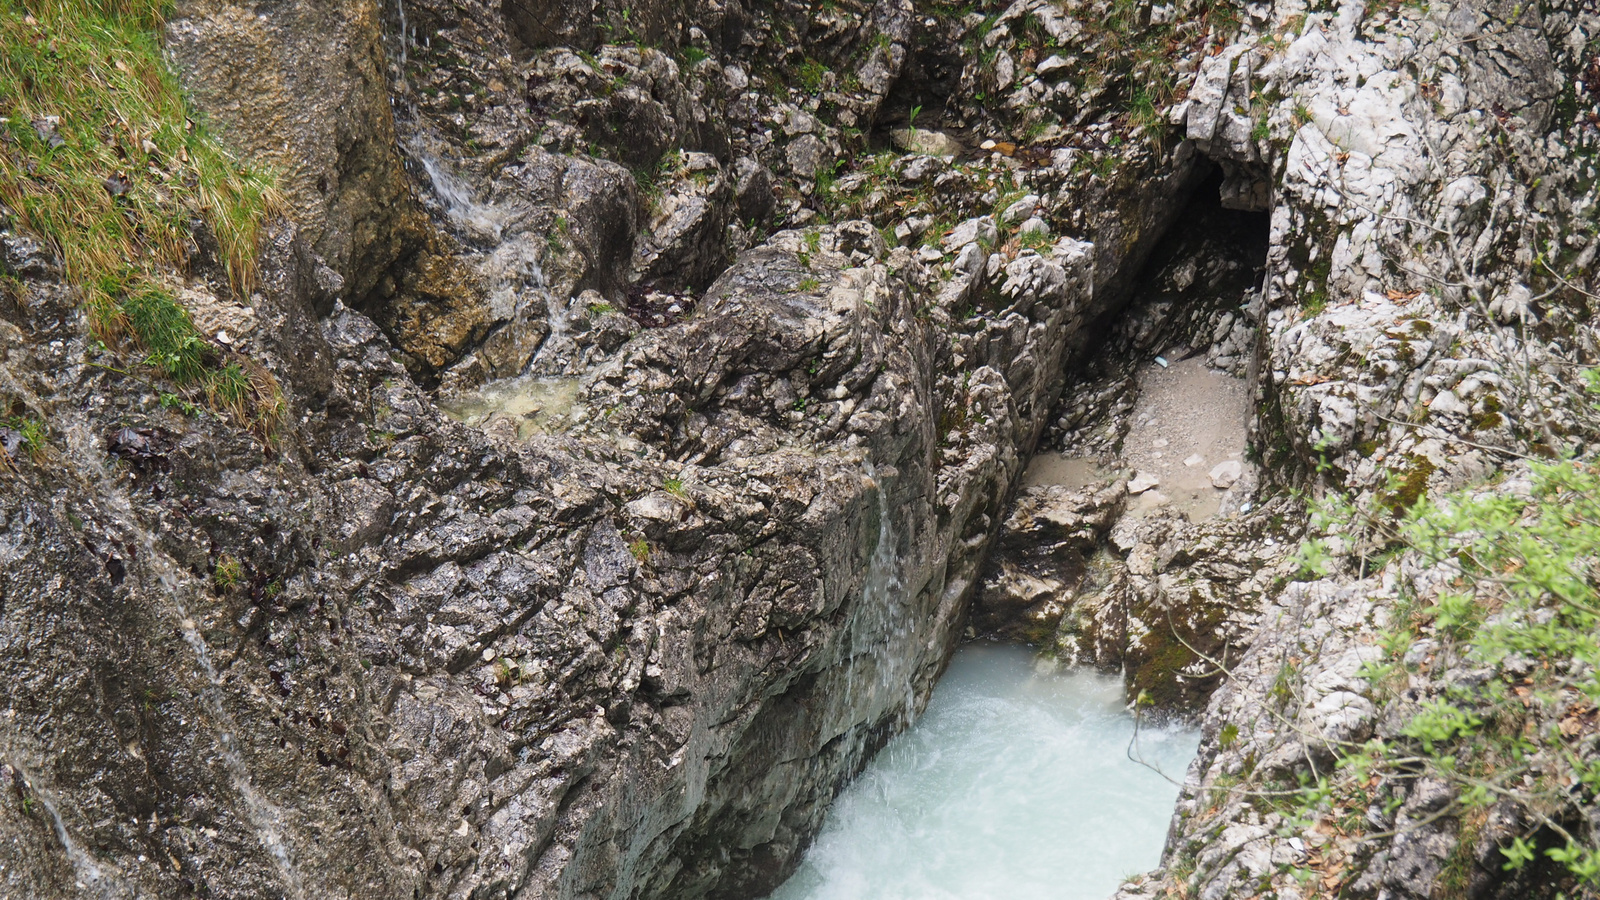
(586, 457)
(1015, 782)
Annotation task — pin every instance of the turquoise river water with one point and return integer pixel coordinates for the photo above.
(1013, 785)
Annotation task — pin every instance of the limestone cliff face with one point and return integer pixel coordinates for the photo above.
(303, 88)
(1429, 291)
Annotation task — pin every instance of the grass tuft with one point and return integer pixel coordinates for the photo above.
(101, 156)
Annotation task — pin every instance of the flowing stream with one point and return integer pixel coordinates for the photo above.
(1013, 784)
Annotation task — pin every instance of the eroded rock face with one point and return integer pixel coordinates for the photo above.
(301, 88)
(396, 657)
(1044, 552)
(388, 654)
(1389, 382)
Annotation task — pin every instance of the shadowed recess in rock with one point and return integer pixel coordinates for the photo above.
(1014, 784)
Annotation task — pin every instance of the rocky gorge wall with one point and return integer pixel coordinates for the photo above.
(814, 278)
(382, 653)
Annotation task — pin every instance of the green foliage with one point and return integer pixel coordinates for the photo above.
(640, 550)
(1143, 112)
(674, 486)
(1035, 240)
(812, 75)
(177, 404)
(229, 572)
(1440, 722)
(174, 346)
(1228, 736)
(32, 434)
(1523, 607)
(101, 157)
(1313, 558)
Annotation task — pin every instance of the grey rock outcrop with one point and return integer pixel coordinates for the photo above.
(1398, 360)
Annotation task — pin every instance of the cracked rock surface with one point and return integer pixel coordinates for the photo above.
(805, 287)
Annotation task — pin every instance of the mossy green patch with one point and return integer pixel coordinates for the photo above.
(1490, 416)
(1411, 487)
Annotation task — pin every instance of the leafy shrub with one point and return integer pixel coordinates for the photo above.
(1522, 609)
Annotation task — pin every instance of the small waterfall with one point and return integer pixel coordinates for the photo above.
(514, 265)
(881, 626)
(263, 815)
(483, 220)
(405, 36)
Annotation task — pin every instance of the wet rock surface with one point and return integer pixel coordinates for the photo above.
(815, 285)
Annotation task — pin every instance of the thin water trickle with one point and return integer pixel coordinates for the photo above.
(513, 269)
(1014, 785)
(90, 874)
(482, 220)
(264, 817)
(879, 634)
(405, 38)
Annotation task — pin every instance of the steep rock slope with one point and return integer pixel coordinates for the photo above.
(1427, 318)
(382, 653)
(387, 653)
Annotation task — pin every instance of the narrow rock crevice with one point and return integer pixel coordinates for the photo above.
(1152, 442)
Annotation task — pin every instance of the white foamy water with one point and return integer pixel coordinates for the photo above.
(1012, 786)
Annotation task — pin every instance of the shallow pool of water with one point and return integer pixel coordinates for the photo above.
(1013, 784)
(1068, 471)
(536, 405)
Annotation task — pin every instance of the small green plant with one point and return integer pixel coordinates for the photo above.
(229, 572)
(1145, 115)
(600, 309)
(30, 433)
(911, 118)
(674, 486)
(812, 75)
(809, 283)
(640, 550)
(1228, 736)
(178, 405)
(1035, 240)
